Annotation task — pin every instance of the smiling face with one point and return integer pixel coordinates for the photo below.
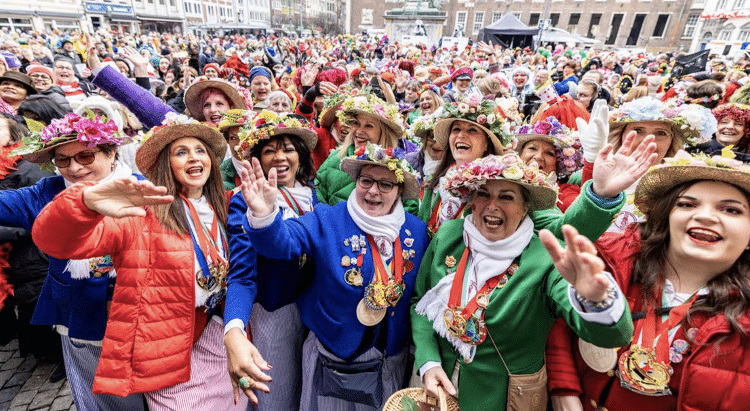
(233, 139)
(467, 141)
(520, 79)
(164, 65)
(100, 168)
(709, 226)
(427, 103)
(64, 72)
(542, 152)
(433, 148)
(281, 155)
(372, 200)
(12, 92)
(730, 131)
(211, 72)
(260, 87)
(190, 164)
(41, 81)
(365, 129)
(286, 80)
(660, 130)
(498, 208)
(463, 84)
(214, 107)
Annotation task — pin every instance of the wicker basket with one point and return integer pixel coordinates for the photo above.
(444, 403)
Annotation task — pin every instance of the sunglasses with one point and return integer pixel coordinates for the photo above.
(83, 158)
(384, 186)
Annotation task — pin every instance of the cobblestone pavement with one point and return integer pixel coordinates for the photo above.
(25, 385)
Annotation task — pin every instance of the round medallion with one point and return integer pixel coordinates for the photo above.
(367, 316)
(597, 358)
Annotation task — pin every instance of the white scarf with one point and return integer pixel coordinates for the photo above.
(488, 260)
(206, 216)
(449, 204)
(429, 167)
(82, 269)
(387, 226)
(304, 198)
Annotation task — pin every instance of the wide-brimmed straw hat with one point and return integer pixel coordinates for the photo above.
(372, 106)
(193, 93)
(465, 179)
(485, 114)
(267, 124)
(684, 167)
(174, 128)
(394, 159)
(331, 106)
(235, 118)
(691, 124)
(40, 144)
(568, 150)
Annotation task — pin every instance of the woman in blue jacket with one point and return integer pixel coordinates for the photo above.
(76, 293)
(281, 142)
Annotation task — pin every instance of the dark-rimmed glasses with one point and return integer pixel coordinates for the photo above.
(83, 158)
(384, 186)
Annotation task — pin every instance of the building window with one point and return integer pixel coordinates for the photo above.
(533, 19)
(614, 28)
(496, 16)
(478, 21)
(517, 14)
(738, 4)
(594, 25)
(725, 35)
(721, 4)
(690, 24)
(661, 25)
(574, 19)
(744, 35)
(460, 21)
(554, 19)
(635, 30)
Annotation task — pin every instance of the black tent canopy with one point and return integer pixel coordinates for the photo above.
(508, 32)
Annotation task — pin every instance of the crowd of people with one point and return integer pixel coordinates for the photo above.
(242, 222)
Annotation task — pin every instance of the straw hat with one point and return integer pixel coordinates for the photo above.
(568, 150)
(394, 159)
(370, 105)
(267, 124)
(331, 106)
(39, 145)
(419, 395)
(175, 128)
(684, 167)
(483, 113)
(465, 179)
(193, 94)
(235, 118)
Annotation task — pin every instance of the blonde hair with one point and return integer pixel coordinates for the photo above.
(388, 137)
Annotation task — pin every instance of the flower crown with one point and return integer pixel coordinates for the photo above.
(393, 157)
(91, 129)
(422, 125)
(569, 152)
(170, 119)
(461, 181)
(695, 122)
(370, 104)
(486, 113)
(725, 161)
(266, 124)
(736, 112)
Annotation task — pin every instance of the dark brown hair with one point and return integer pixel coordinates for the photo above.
(448, 159)
(305, 171)
(729, 292)
(172, 215)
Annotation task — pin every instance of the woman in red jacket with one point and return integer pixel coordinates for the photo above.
(165, 334)
(685, 274)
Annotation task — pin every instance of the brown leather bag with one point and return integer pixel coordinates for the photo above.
(526, 392)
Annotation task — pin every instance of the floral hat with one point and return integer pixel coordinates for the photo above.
(422, 126)
(267, 124)
(175, 127)
(371, 105)
(235, 118)
(92, 130)
(684, 167)
(484, 113)
(331, 105)
(393, 158)
(465, 179)
(569, 152)
(691, 123)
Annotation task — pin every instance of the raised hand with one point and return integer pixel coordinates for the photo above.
(617, 172)
(485, 48)
(260, 194)
(594, 134)
(308, 77)
(577, 263)
(140, 63)
(327, 88)
(124, 197)
(245, 363)
(92, 59)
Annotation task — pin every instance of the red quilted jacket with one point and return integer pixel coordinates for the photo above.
(152, 319)
(712, 375)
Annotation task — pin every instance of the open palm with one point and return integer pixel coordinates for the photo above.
(124, 197)
(614, 173)
(260, 193)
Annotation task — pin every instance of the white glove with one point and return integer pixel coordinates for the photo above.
(594, 134)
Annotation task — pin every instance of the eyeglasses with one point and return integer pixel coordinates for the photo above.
(83, 158)
(64, 68)
(40, 77)
(384, 186)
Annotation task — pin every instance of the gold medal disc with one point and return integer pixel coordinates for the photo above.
(598, 358)
(367, 316)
